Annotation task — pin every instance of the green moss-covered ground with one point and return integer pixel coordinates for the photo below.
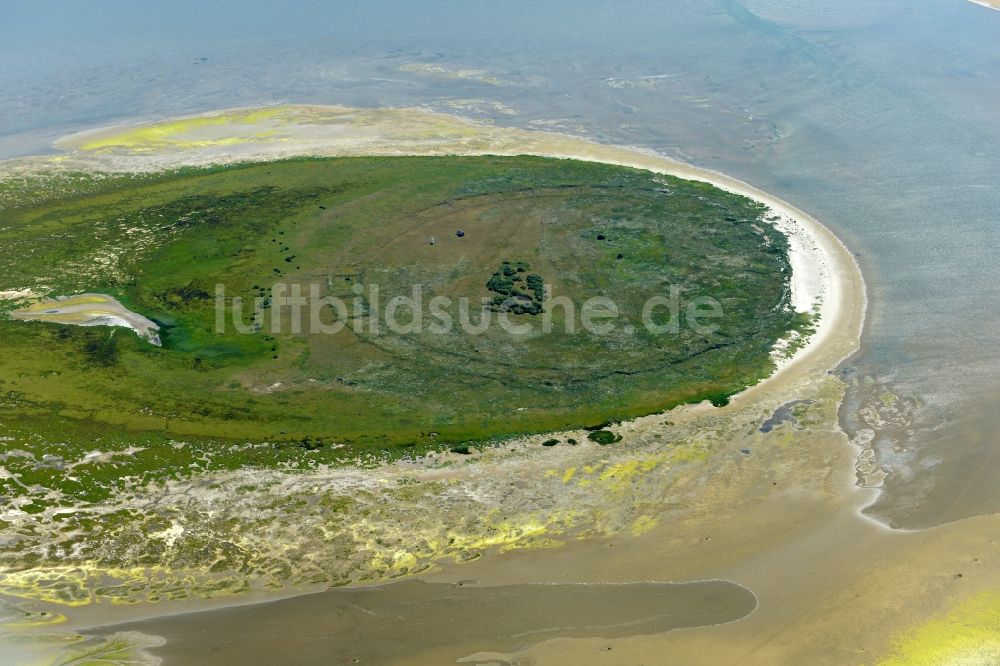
(161, 244)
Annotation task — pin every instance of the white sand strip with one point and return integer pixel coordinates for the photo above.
(989, 4)
(90, 310)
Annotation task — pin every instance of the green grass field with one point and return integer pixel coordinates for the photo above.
(161, 244)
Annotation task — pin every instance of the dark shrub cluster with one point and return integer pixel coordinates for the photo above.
(604, 437)
(515, 292)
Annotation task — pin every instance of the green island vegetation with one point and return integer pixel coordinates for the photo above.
(160, 244)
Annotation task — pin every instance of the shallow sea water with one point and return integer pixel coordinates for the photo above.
(421, 622)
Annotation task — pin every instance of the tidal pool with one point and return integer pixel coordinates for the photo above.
(414, 620)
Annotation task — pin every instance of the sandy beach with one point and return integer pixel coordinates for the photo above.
(991, 4)
(700, 493)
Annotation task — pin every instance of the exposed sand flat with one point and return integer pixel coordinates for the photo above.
(992, 4)
(679, 500)
(16, 294)
(90, 310)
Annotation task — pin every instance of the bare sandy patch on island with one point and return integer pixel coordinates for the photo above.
(90, 310)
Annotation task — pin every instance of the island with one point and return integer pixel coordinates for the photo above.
(301, 427)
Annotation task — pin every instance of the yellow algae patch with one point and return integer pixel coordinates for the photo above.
(621, 477)
(643, 524)
(511, 534)
(616, 477)
(92, 583)
(628, 470)
(968, 634)
(181, 133)
(61, 585)
(80, 299)
(505, 535)
(404, 561)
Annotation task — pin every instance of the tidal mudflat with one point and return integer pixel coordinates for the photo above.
(413, 621)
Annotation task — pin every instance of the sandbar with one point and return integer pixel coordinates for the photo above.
(90, 310)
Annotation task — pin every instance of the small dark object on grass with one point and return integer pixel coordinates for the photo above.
(322, 207)
(621, 256)
(745, 452)
(463, 450)
(604, 437)
(550, 442)
(310, 444)
(459, 233)
(102, 349)
(600, 236)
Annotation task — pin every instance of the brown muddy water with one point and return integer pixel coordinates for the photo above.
(413, 619)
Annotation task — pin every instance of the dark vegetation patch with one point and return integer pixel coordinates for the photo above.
(517, 291)
(604, 437)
